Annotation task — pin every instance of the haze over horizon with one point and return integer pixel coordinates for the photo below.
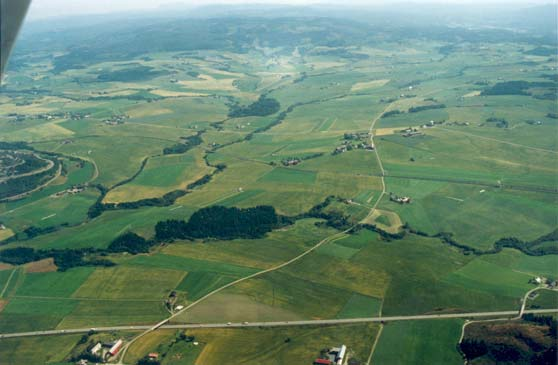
(41, 9)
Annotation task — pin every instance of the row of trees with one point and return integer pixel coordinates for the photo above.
(64, 259)
(186, 144)
(416, 109)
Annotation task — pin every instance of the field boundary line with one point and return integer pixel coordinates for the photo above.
(375, 344)
(500, 141)
(8, 282)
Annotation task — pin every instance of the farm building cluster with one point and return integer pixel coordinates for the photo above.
(242, 126)
(70, 191)
(104, 350)
(544, 282)
(411, 132)
(332, 356)
(400, 199)
(415, 132)
(116, 119)
(291, 161)
(353, 141)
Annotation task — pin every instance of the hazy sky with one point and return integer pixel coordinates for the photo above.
(47, 8)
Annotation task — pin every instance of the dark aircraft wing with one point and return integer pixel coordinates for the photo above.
(12, 13)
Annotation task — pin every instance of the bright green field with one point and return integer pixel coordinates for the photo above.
(419, 342)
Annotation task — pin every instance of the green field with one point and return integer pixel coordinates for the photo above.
(419, 342)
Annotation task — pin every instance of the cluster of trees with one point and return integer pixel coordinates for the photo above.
(131, 243)
(531, 248)
(181, 337)
(15, 146)
(391, 113)
(386, 236)
(544, 321)
(68, 258)
(98, 207)
(416, 109)
(164, 201)
(342, 53)
(516, 87)
(132, 74)
(500, 122)
(30, 163)
(521, 347)
(187, 144)
(33, 231)
(64, 259)
(222, 223)
(146, 360)
(13, 187)
(333, 218)
(263, 107)
(542, 51)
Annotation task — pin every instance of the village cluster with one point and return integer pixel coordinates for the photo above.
(116, 119)
(49, 116)
(353, 141)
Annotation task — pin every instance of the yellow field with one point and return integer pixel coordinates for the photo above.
(207, 82)
(221, 308)
(4, 266)
(46, 265)
(175, 94)
(324, 64)
(471, 94)
(369, 84)
(394, 220)
(386, 131)
(5, 234)
(40, 132)
(148, 111)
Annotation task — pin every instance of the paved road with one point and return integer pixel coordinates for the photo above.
(281, 323)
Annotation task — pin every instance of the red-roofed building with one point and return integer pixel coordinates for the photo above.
(322, 362)
(153, 356)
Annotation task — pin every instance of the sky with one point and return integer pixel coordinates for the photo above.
(47, 8)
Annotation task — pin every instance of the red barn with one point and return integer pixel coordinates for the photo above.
(115, 349)
(322, 362)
